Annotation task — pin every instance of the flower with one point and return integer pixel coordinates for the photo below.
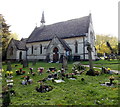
(38, 70)
(23, 71)
(109, 69)
(52, 70)
(31, 68)
(10, 72)
(7, 72)
(111, 78)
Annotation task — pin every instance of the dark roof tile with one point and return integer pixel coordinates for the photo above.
(66, 29)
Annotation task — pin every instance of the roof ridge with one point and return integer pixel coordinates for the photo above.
(67, 20)
(65, 29)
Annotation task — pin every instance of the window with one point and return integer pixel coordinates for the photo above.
(32, 50)
(40, 49)
(76, 47)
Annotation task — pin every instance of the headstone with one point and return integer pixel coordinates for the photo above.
(34, 62)
(25, 63)
(48, 58)
(6, 98)
(64, 64)
(9, 68)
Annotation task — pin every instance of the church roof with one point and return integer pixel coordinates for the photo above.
(65, 45)
(63, 42)
(21, 45)
(66, 29)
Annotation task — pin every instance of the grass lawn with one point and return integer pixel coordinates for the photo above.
(70, 92)
(113, 64)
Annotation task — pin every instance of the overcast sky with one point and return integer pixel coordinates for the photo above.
(23, 15)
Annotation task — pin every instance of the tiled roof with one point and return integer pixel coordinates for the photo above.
(21, 45)
(67, 29)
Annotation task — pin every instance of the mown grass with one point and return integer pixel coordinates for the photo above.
(71, 92)
(113, 64)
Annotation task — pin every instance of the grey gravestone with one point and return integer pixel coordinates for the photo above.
(34, 62)
(25, 63)
(64, 64)
(48, 58)
(9, 68)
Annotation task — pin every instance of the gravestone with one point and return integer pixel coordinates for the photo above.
(91, 70)
(25, 63)
(9, 68)
(48, 58)
(64, 64)
(34, 62)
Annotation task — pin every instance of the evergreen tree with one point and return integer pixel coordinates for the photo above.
(4, 35)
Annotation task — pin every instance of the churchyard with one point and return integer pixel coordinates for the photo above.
(75, 88)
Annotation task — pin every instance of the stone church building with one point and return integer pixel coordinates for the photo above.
(52, 42)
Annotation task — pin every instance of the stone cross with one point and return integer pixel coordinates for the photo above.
(9, 68)
(64, 64)
(90, 55)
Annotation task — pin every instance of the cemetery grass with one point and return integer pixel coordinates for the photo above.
(70, 92)
(113, 64)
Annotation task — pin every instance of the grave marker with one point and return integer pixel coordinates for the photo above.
(25, 63)
(9, 68)
(64, 64)
(91, 70)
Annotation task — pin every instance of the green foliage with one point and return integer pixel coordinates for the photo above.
(5, 35)
(70, 92)
(101, 46)
(119, 48)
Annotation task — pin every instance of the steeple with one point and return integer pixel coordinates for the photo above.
(42, 19)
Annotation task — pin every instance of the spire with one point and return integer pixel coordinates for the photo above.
(42, 19)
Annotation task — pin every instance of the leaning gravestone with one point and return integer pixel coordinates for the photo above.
(25, 63)
(64, 64)
(9, 68)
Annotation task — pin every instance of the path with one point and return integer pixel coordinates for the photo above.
(115, 71)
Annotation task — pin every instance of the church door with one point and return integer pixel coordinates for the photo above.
(55, 54)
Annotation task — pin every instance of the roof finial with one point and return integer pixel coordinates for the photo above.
(89, 12)
(42, 19)
(35, 25)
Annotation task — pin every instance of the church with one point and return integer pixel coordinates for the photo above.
(52, 42)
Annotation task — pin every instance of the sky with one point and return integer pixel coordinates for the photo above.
(24, 15)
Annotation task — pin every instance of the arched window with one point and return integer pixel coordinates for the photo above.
(40, 49)
(32, 50)
(76, 47)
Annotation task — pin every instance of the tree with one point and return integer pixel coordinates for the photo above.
(103, 40)
(5, 35)
(119, 48)
(14, 35)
